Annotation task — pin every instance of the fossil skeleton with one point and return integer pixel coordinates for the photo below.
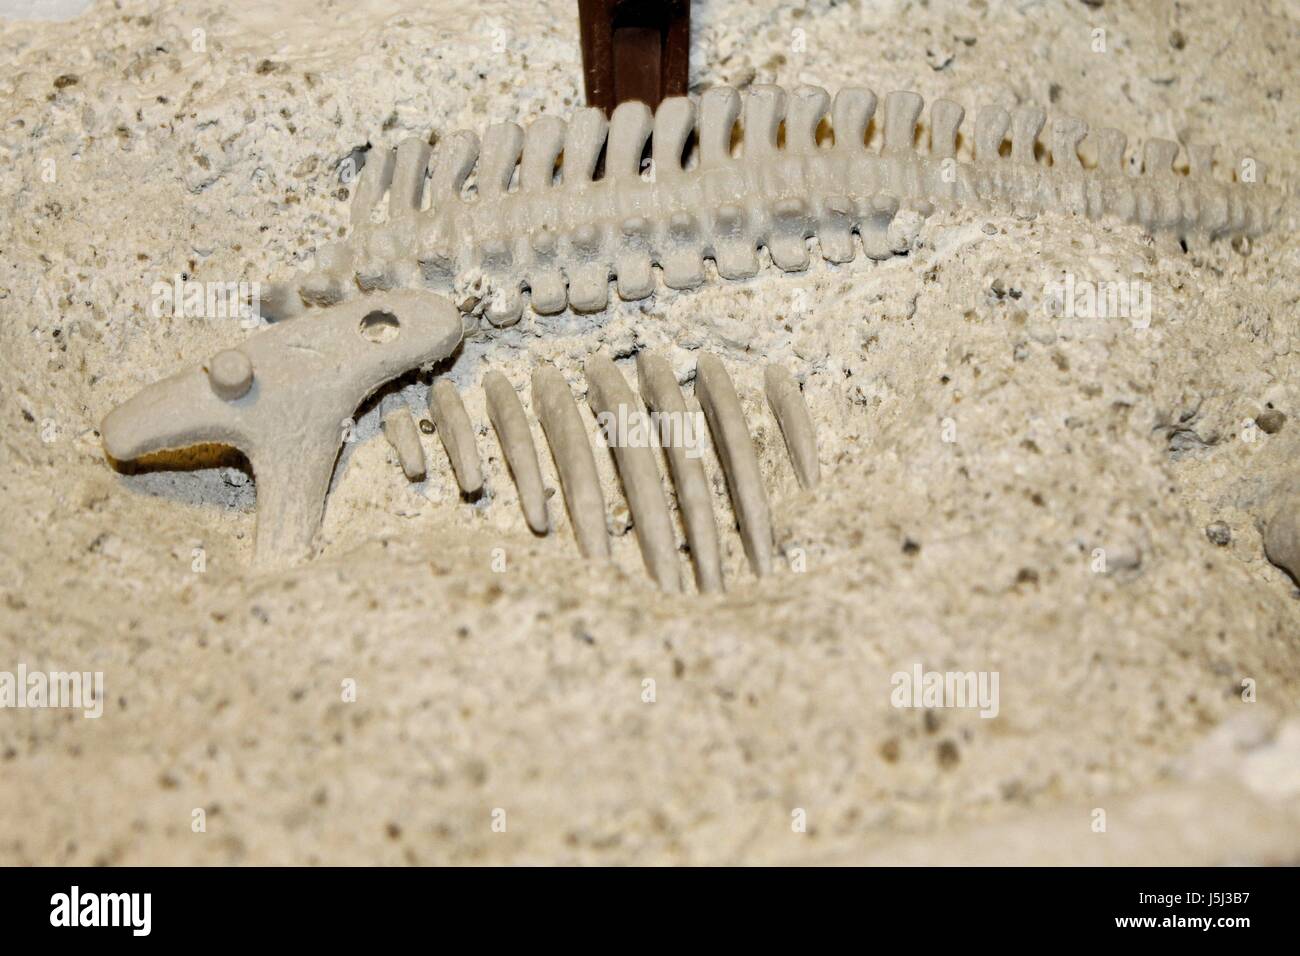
(282, 398)
(542, 227)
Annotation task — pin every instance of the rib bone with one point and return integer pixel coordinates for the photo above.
(610, 397)
(787, 403)
(553, 403)
(507, 417)
(717, 395)
(660, 392)
(457, 434)
(399, 428)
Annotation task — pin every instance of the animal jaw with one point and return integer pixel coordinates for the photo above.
(526, 238)
(284, 398)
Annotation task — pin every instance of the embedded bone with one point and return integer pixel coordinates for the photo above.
(763, 111)
(457, 434)
(582, 147)
(808, 105)
(1282, 535)
(502, 145)
(453, 161)
(1067, 134)
(673, 123)
(516, 438)
(721, 404)
(1158, 157)
(559, 245)
(543, 143)
(719, 110)
(371, 184)
(629, 129)
(398, 426)
(1026, 123)
(945, 119)
(1110, 151)
(786, 401)
(902, 109)
(287, 404)
(851, 113)
(659, 390)
(990, 132)
(574, 461)
(610, 396)
(1200, 159)
(406, 192)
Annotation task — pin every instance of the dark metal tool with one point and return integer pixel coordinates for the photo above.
(634, 50)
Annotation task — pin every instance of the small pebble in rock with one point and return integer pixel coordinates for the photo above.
(939, 57)
(619, 520)
(1219, 533)
(1042, 332)
(1124, 555)
(1270, 420)
(948, 755)
(426, 426)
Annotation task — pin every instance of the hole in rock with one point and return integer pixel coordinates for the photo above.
(380, 327)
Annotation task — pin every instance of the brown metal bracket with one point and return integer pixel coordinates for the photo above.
(634, 50)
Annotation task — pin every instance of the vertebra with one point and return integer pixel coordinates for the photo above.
(559, 244)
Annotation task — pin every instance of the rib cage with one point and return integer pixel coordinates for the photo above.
(642, 481)
(525, 236)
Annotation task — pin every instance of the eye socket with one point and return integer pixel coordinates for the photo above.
(380, 327)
